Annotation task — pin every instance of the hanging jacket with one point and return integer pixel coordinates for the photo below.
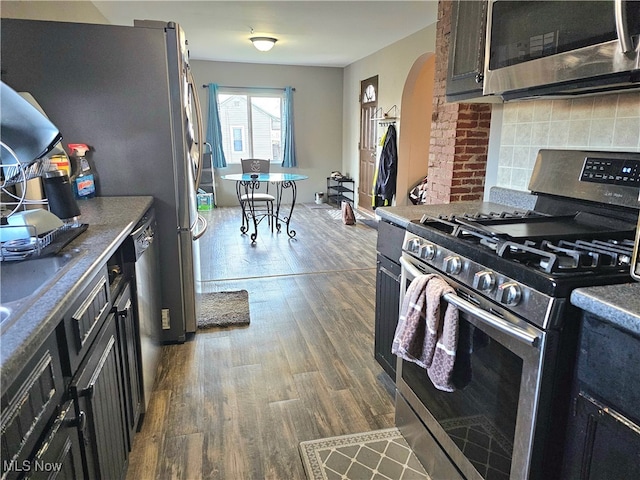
(385, 180)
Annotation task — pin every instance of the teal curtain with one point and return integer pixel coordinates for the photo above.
(288, 142)
(214, 132)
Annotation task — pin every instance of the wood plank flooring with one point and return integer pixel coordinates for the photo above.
(234, 403)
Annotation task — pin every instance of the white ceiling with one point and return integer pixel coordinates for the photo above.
(317, 33)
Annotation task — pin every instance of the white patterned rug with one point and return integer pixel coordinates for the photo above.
(379, 455)
(336, 214)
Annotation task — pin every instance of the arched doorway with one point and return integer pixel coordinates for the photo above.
(415, 126)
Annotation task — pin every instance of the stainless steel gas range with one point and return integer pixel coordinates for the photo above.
(513, 272)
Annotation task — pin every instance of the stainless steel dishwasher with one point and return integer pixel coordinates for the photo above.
(145, 253)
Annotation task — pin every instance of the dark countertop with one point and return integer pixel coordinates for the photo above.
(617, 304)
(110, 221)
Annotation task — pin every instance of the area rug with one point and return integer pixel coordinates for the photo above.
(223, 309)
(336, 214)
(381, 454)
(487, 448)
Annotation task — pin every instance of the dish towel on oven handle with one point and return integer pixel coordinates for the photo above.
(424, 335)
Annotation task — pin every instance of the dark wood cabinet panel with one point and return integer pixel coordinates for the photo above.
(130, 366)
(466, 50)
(603, 438)
(83, 321)
(603, 444)
(59, 455)
(387, 305)
(389, 248)
(97, 391)
(27, 407)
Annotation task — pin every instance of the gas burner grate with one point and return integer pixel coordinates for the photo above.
(461, 224)
(567, 256)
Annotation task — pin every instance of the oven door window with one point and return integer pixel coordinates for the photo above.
(480, 416)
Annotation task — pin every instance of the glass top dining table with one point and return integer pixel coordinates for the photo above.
(247, 184)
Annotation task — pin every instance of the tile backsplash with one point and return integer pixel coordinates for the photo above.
(605, 122)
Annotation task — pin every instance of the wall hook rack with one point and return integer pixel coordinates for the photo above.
(386, 118)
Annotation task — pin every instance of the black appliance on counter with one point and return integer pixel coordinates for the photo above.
(513, 273)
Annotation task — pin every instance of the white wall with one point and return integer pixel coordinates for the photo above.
(392, 65)
(519, 129)
(317, 104)
(69, 11)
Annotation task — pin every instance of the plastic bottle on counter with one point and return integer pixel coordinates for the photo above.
(84, 178)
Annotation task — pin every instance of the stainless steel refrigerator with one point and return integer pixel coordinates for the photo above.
(129, 94)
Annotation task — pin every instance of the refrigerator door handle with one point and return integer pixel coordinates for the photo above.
(197, 233)
(198, 121)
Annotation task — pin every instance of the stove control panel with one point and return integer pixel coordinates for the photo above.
(612, 171)
(518, 298)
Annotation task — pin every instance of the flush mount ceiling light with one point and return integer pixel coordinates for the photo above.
(264, 44)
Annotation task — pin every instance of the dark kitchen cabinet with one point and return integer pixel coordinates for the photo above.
(127, 327)
(74, 410)
(83, 321)
(97, 390)
(389, 249)
(603, 440)
(466, 50)
(60, 454)
(387, 302)
(28, 406)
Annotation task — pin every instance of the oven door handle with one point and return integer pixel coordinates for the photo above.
(498, 323)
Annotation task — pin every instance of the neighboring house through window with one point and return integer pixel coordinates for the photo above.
(237, 134)
(250, 121)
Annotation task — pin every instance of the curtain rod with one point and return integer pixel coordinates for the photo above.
(248, 88)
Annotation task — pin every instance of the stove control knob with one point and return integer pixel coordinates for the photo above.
(414, 245)
(509, 293)
(428, 251)
(452, 265)
(484, 280)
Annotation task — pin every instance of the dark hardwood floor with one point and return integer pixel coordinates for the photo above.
(234, 403)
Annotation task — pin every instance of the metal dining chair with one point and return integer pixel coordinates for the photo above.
(263, 199)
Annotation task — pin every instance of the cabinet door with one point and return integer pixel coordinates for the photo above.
(466, 50)
(81, 325)
(27, 407)
(97, 390)
(386, 317)
(129, 364)
(606, 445)
(59, 456)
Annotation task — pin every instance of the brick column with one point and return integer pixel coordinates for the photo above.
(459, 132)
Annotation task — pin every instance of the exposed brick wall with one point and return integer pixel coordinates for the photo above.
(459, 133)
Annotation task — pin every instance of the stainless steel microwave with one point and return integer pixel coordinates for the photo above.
(561, 48)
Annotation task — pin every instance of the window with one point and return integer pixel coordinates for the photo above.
(251, 123)
(237, 134)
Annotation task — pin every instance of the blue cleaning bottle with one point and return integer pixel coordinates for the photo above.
(84, 179)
